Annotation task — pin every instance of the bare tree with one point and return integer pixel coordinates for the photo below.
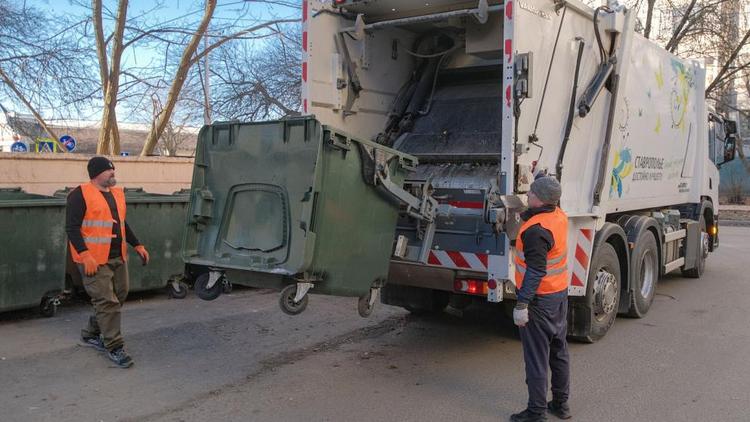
(111, 141)
(32, 109)
(44, 69)
(108, 143)
(262, 82)
(164, 116)
(730, 69)
(190, 58)
(174, 138)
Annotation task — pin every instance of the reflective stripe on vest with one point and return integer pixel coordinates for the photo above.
(98, 239)
(96, 228)
(92, 223)
(556, 280)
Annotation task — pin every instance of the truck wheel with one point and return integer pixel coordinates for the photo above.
(287, 303)
(602, 292)
(700, 264)
(645, 269)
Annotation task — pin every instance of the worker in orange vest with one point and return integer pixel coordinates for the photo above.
(541, 310)
(97, 231)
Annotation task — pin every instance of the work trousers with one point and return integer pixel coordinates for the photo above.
(545, 345)
(108, 289)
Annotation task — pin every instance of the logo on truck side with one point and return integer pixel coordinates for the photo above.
(622, 168)
(534, 10)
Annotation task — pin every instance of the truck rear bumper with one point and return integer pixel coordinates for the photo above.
(432, 277)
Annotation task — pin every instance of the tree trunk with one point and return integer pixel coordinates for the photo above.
(101, 53)
(33, 111)
(174, 91)
(113, 85)
(649, 18)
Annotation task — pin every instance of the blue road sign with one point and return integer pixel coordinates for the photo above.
(19, 147)
(68, 142)
(45, 146)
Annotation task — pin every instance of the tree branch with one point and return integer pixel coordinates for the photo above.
(33, 111)
(239, 34)
(725, 68)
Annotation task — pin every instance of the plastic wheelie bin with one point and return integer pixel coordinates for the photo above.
(158, 222)
(32, 251)
(293, 205)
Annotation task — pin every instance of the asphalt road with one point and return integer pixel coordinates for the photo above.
(240, 358)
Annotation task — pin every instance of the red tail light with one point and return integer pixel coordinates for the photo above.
(470, 286)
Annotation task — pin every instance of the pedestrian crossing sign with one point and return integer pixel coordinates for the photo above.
(46, 145)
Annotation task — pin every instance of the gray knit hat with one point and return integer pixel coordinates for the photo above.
(547, 189)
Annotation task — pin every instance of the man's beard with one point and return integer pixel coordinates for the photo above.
(111, 182)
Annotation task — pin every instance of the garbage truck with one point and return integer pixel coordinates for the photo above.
(440, 115)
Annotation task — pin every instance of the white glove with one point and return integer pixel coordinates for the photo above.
(521, 316)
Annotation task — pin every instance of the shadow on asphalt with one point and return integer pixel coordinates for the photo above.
(79, 298)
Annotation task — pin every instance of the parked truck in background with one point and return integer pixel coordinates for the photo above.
(489, 94)
(475, 99)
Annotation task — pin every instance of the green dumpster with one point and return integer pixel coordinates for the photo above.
(291, 203)
(158, 222)
(32, 256)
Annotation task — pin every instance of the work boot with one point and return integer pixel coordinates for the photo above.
(94, 341)
(528, 416)
(120, 357)
(559, 409)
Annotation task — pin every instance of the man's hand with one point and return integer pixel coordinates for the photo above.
(521, 315)
(143, 253)
(90, 266)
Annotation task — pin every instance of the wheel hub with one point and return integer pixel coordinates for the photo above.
(704, 244)
(605, 293)
(648, 276)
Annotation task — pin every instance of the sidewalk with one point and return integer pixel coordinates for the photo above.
(727, 207)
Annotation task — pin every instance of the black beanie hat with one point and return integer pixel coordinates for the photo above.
(98, 165)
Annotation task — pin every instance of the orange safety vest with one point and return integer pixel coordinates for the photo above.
(556, 279)
(96, 228)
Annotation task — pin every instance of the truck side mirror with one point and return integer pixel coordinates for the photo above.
(730, 148)
(730, 127)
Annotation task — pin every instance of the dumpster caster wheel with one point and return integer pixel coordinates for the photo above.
(226, 287)
(177, 289)
(366, 303)
(48, 307)
(208, 286)
(288, 303)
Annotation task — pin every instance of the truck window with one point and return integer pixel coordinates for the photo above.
(716, 139)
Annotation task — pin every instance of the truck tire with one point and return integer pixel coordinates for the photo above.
(700, 263)
(644, 267)
(602, 293)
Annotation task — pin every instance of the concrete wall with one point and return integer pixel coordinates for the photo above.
(46, 173)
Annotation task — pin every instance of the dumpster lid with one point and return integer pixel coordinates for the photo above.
(17, 197)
